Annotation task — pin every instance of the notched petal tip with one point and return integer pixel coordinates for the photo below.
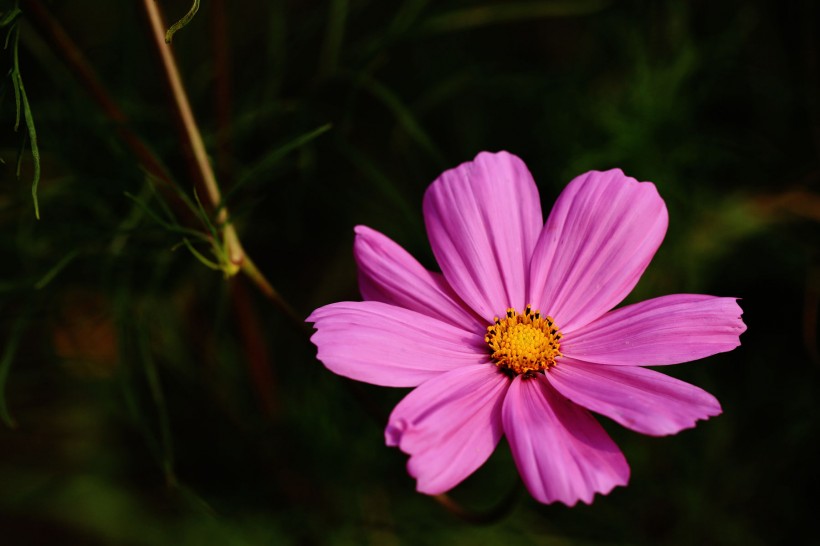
(449, 426)
(316, 315)
(665, 330)
(486, 155)
(621, 481)
(605, 179)
(640, 399)
(581, 460)
(740, 325)
(708, 411)
(394, 431)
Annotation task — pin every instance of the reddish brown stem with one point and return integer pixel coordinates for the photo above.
(480, 518)
(67, 50)
(255, 347)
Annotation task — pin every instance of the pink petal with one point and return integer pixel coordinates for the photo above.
(665, 330)
(386, 345)
(561, 451)
(483, 219)
(600, 236)
(644, 400)
(389, 274)
(449, 426)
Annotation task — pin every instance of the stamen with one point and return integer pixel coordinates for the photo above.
(524, 344)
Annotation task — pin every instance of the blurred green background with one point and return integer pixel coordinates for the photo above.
(147, 400)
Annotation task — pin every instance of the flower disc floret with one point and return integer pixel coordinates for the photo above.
(524, 343)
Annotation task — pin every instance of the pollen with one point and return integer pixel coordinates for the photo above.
(525, 343)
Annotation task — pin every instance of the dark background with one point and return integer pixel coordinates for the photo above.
(149, 400)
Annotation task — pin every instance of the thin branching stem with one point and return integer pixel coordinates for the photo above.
(191, 129)
(233, 246)
(65, 47)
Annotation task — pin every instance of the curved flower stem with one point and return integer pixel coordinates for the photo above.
(179, 25)
(480, 518)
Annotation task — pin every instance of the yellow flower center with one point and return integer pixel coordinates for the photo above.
(525, 343)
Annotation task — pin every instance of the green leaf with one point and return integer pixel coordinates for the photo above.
(179, 25)
(406, 16)
(379, 181)
(10, 17)
(166, 454)
(272, 158)
(199, 256)
(22, 105)
(506, 12)
(174, 228)
(334, 36)
(404, 116)
(54, 271)
(9, 352)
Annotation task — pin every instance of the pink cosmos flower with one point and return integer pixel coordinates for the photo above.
(518, 337)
